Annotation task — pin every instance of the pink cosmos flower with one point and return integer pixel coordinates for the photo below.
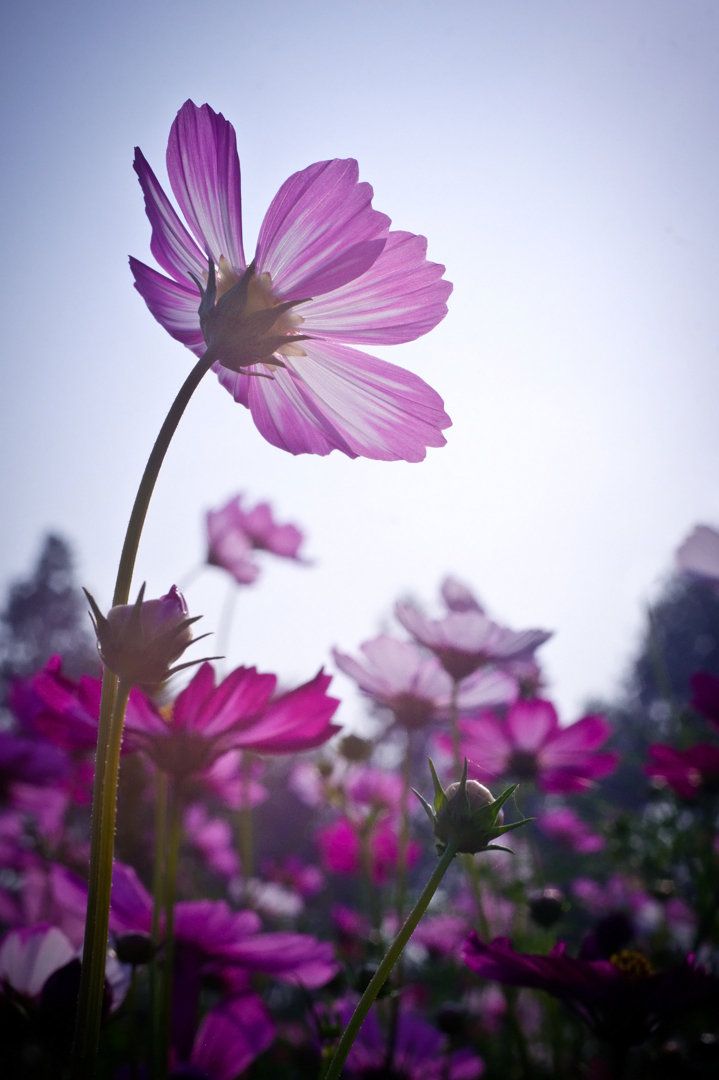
(207, 721)
(234, 533)
(621, 1000)
(698, 555)
(467, 639)
(687, 772)
(563, 825)
(529, 744)
(327, 271)
(415, 687)
(30, 955)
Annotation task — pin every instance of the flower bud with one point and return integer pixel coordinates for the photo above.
(140, 642)
(466, 816)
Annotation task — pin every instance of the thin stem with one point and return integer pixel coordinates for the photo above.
(389, 960)
(92, 980)
(147, 484)
(112, 714)
(401, 898)
(173, 851)
(158, 903)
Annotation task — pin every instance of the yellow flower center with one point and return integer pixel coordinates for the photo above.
(632, 964)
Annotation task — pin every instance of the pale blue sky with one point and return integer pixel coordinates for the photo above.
(560, 157)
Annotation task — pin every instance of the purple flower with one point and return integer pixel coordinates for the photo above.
(233, 535)
(687, 772)
(529, 744)
(622, 999)
(327, 271)
(207, 721)
(414, 686)
(420, 1052)
(467, 639)
(30, 955)
(705, 696)
(698, 555)
(563, 825)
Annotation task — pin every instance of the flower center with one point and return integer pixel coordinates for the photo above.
(632, 964)
(523, 764)
(243, 322)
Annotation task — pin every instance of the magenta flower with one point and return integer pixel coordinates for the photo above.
(208, 721)
(529, 744)
(705, 696)
(622, 999)
(698, 555)
(327, 271)
(466, 639)
(687, 772)
(233, 535)
(415, 687)
(563, 825)
(30, 955)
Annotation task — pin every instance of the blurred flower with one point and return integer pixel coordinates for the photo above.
(234, 533)
(466, 639)
(213, 839)
(562, 824)
(688, 772)
(420, 1052)
(207, 721)
(30, 955)
(326, 271)
(705, 696)
(140, 642)
(698, 555)
(415, 687)
(622, 1000)
(529, 744)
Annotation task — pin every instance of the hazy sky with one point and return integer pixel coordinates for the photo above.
(560, 157)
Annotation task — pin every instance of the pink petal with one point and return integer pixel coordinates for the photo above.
(171, 244)
(699, 554)
(204, 172)
(174, 306)
(577, 740)
(531, 723)
(338, 398)
(320, 231)
(485, 743)
(231, 1036)
(400, 297)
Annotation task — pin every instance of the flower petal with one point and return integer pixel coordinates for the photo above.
(531, 723)
(171, 244)
(400, 297)
(174, 306)
(337, 398)
(320, 231)
(204, 171)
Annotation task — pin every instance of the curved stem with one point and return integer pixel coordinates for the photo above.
(109, 740)
(149, 476)
(389, 960)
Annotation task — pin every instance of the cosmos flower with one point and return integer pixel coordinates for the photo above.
(234, 533)
(207, 721)
(529, 744)
(688, 772)
(327, 272)
(622, 1000)
(698, 555)
(562, 824)
(414, 686)
(466, 639)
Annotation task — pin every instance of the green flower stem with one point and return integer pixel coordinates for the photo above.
(389, 960)
(173, 852)
(104, 800)
(158, 904)
(147, 484)
(104, 803)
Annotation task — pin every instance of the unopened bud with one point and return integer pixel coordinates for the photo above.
(140, 642)
(466, 816)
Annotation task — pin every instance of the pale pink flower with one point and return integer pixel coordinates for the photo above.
(698, 555)
(465, 640)
(562, 824)
(327, 272)
(235, 533)
(30, 955)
